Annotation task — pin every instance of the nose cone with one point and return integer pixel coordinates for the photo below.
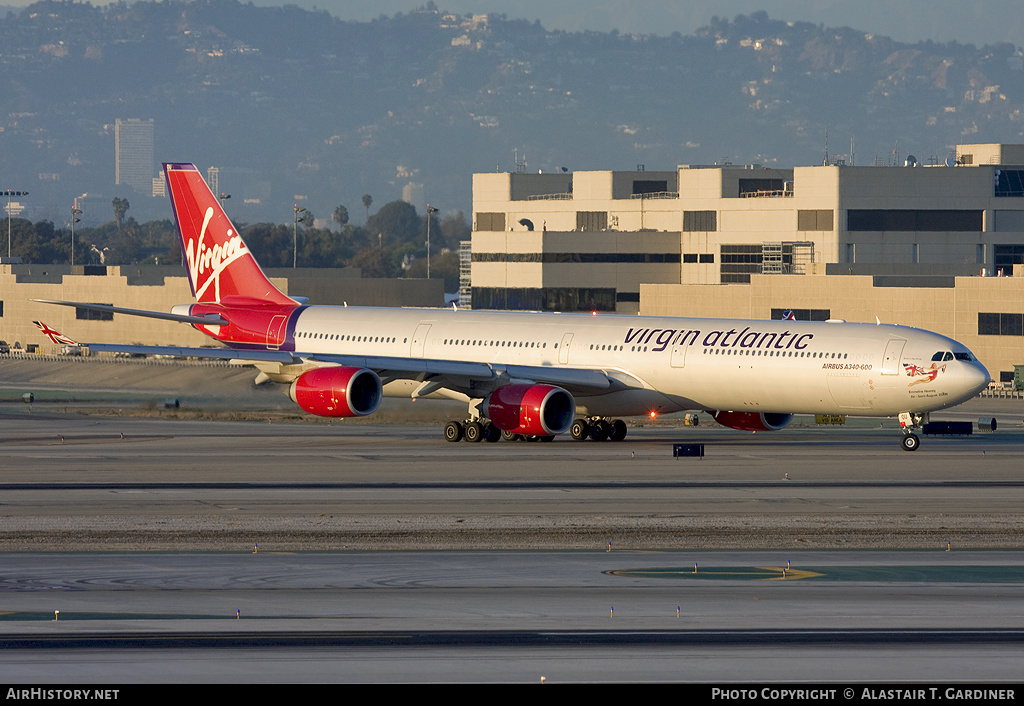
(975, 378)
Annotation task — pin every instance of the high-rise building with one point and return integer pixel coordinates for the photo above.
(133, 154)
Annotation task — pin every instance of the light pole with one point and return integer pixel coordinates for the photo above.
(295, 234)
(75, 212)
(10, 193)
(430, 211)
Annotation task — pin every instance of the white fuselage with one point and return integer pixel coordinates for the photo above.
(672, 364)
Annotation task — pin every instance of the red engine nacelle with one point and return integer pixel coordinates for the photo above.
(752, 421)
(337, 392)
(534, 410)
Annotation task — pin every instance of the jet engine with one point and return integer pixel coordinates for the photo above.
(337, 391)
(752, 421)
(533, 410)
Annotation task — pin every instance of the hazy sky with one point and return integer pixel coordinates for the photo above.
(968, 21)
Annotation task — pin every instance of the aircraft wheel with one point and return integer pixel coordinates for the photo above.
(474, 432)
(600, 430)
(492, 433)
(910, 442)
(453, 431)
(509, 436)
(618, 432)
(547, 438)
(532, 438)
(580, 430)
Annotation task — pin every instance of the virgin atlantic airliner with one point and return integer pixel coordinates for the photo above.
(536, 375)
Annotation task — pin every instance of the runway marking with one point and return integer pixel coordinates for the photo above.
(727, 573)
(859, 574)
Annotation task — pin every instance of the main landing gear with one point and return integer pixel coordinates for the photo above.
(598, 429)
(477, 430)
(908, 422)
(473, 431)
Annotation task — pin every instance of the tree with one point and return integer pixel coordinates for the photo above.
(367, 200)
(443, 265)
(395, 222)
(126, 247)
(270, 244)
(121, 207)
(455, 229)
(340, 215)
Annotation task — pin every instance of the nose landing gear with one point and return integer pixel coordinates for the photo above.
(909, 421)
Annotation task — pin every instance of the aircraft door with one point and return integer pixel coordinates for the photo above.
(679, 355)
(891, 358)
(419, 340)
(275, 332)
(563, 349)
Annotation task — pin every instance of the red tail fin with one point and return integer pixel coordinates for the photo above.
(220, 266)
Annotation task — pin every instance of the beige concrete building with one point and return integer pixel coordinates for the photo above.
(919, 245)
(158, 288)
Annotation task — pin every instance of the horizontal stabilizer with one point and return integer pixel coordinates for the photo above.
(211, 320)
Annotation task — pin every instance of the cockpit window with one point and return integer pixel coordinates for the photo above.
(946, 355)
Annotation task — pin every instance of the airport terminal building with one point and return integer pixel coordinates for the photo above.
(927, 246)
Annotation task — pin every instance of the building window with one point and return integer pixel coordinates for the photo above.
(689, 257)
(1008, 221)
(546, 299)
(740, 261)
(93, 315)
(1000, 324)
(822, 219)
(591, 220)
(1006, 256)
(649, 186)
(914, 220)
(761, 187)
(490, 221)
(563, 258)
(1009, 182)
(700, 221)
(804, 314)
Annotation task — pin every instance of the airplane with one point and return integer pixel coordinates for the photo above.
(536, 375)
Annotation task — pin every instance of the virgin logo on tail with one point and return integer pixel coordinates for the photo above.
(205, 263)
(220, 265)
(54, 335)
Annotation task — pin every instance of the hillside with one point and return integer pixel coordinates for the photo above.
(291, 103)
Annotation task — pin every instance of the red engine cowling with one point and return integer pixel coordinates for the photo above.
(337, 392)
(534, 410)
(752, 421)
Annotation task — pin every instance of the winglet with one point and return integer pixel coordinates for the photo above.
(55, 335)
